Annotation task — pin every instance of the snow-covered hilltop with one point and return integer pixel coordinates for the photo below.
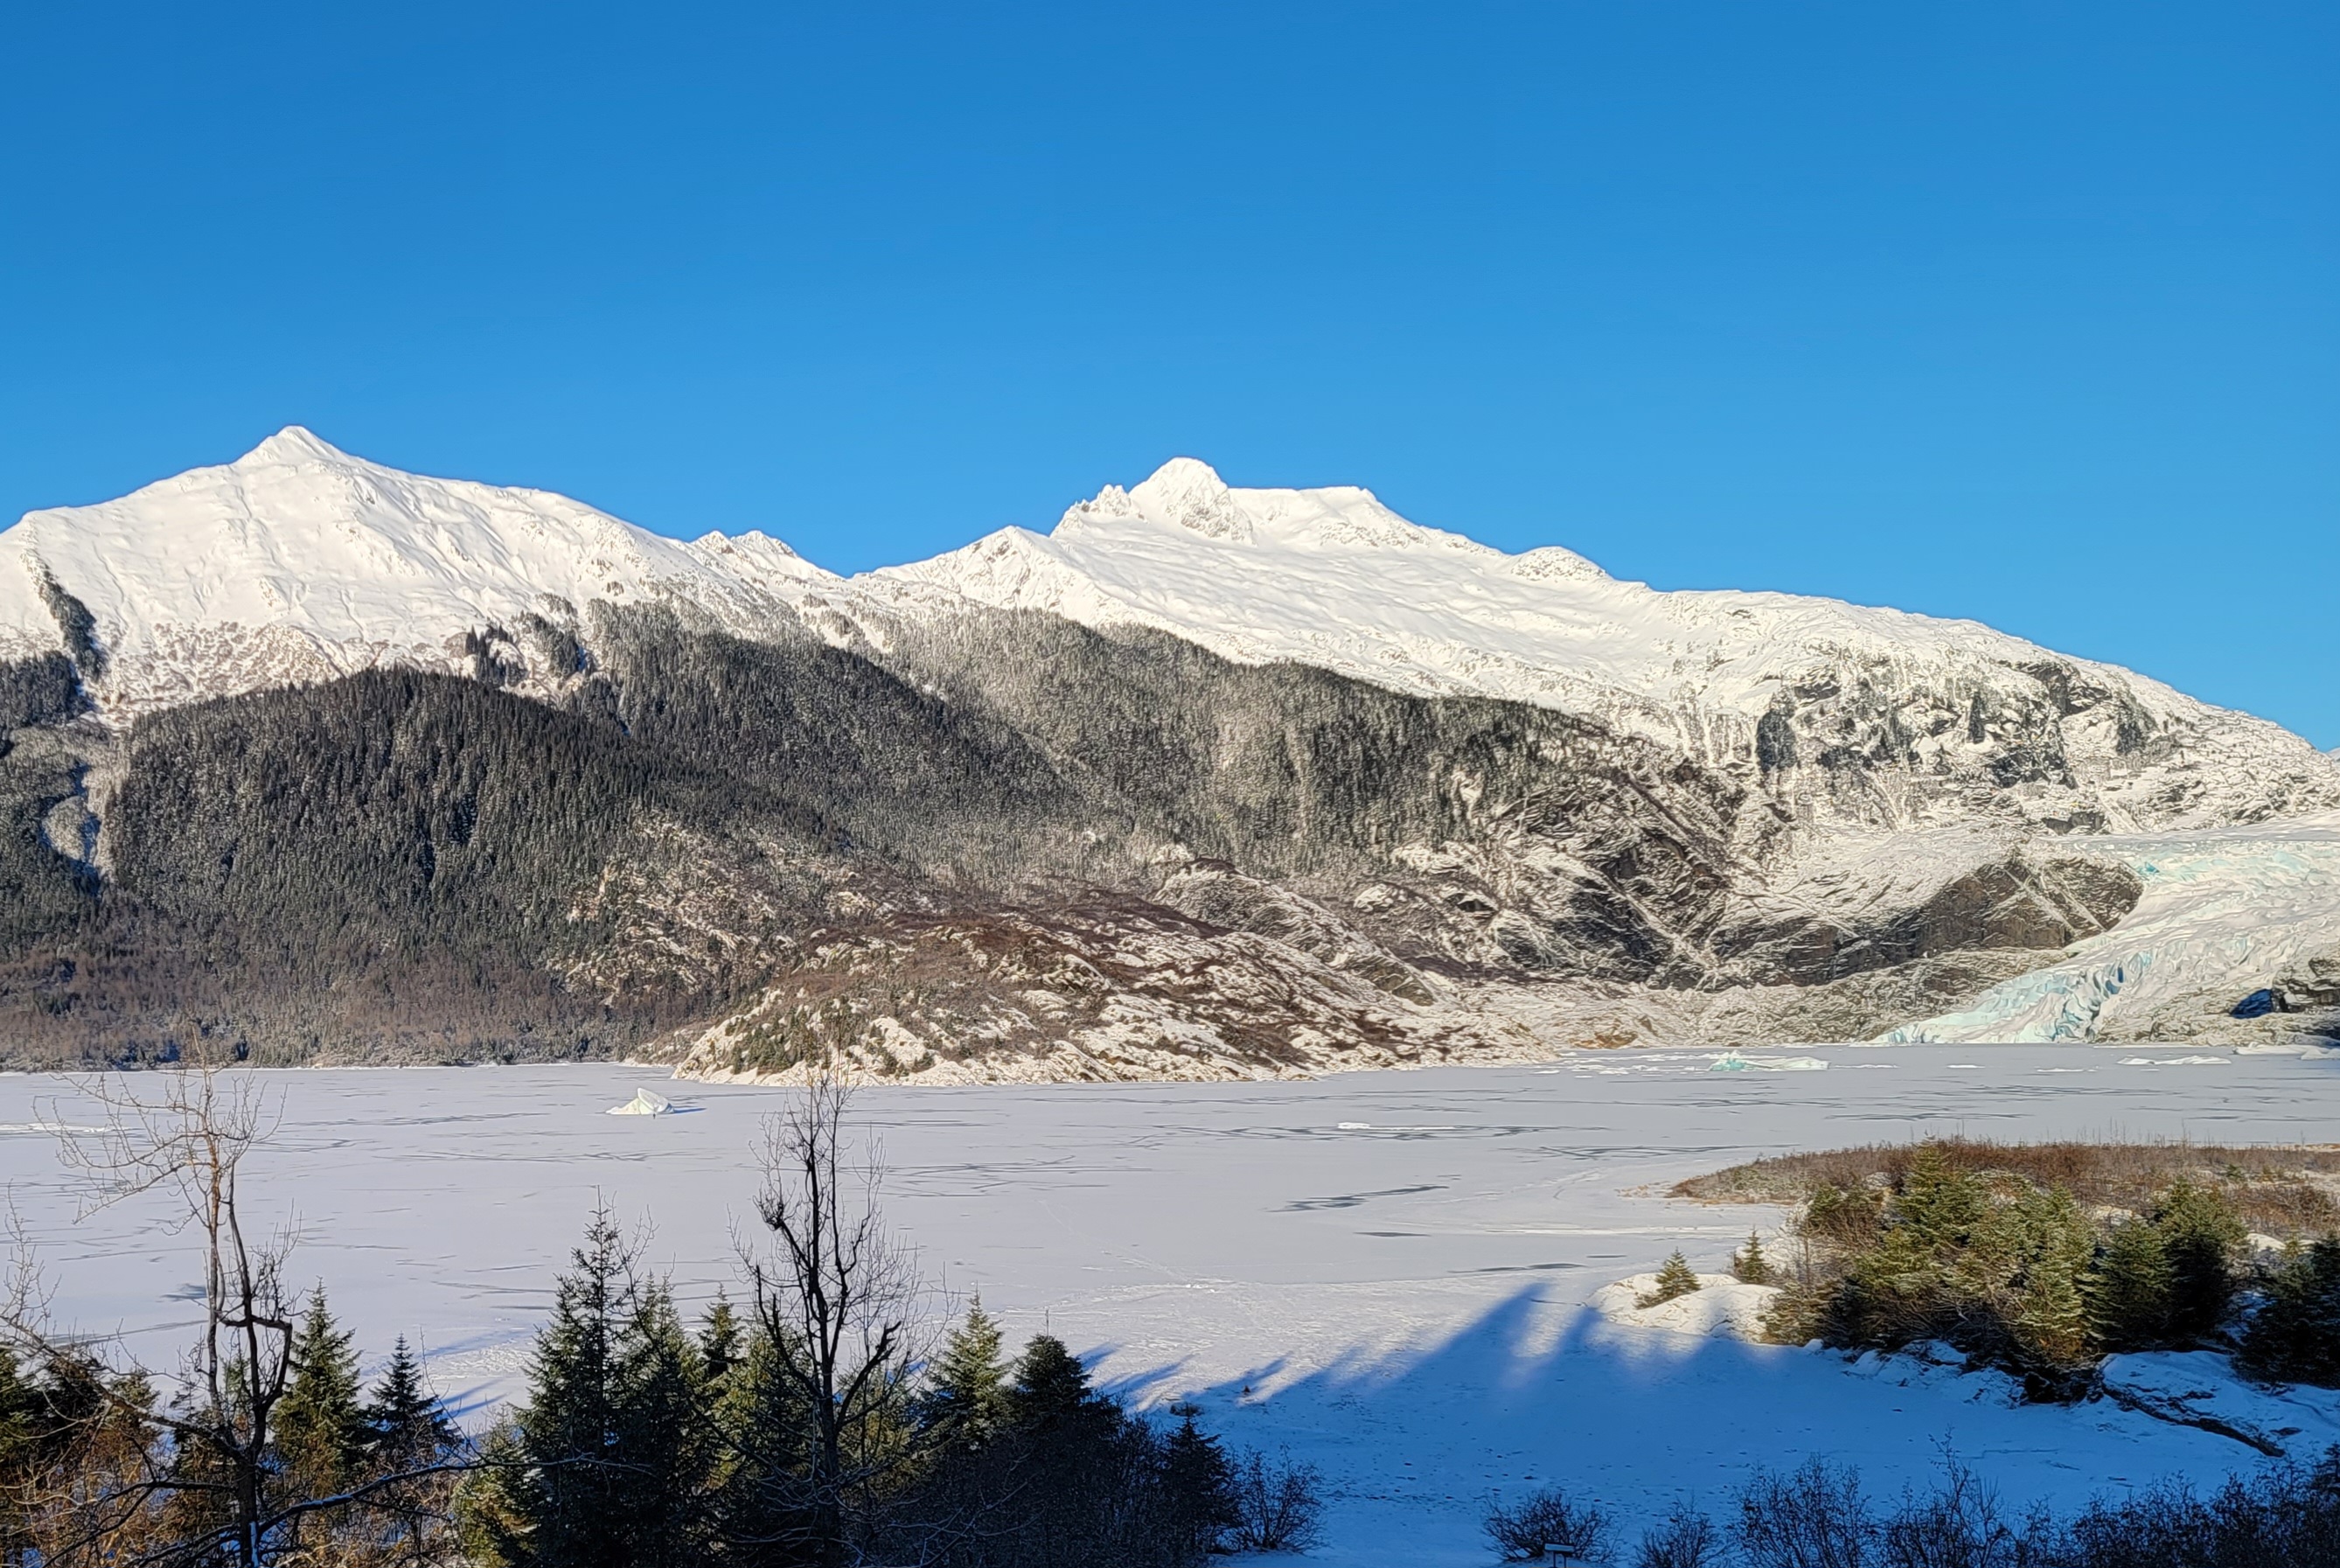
(1205, 780)
(298, 562)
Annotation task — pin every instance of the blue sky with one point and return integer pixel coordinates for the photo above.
(2023, 312)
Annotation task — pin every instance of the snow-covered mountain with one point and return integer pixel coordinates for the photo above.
(1334, 577)
(1245, 779)
(298, 562)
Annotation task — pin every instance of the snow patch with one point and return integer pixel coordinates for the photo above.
(1720, 1306)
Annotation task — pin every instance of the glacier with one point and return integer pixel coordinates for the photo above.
(2223, 911)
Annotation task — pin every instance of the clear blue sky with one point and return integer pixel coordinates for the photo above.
(2023, 312)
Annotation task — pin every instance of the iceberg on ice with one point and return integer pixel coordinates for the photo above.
(643, 1103)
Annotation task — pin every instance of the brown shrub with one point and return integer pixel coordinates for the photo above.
(2283, 1190)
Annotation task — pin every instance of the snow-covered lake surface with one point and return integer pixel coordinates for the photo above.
(1387, 1274)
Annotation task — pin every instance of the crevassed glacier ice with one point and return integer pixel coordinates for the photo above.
(2223, 912)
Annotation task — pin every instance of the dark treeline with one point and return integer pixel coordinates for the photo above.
(643, 1442)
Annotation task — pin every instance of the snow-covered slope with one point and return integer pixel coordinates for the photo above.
(1334, 577)
(298, 561)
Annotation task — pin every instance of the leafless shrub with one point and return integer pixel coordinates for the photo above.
(1956, 1525)
(1688, 1539)
(1546, 1519)
(1279, 1506)
(1813, 1517)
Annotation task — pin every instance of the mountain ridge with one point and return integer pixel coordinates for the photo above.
(1279, 779)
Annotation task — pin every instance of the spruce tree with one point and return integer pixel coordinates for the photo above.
(2295, 1336)
(1675, 1279)
(2129, 1289)
(2201, 1234)
(761, 1502)
(405, 1426)
(1749, 1267)
(1938, 1206)
(1199, 1488)
(496, 1504)
(568, 1512)
(2052, 1317)
(719, 1342)
(320, 1432)
(967, 1401)
(1051, 1388)
(663, 1447)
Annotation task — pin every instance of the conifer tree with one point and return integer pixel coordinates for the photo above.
(321, 1433)
(1938, 1206)
(618, 1432)
(2052, 1317)
(2296, 1335)
(719, 1341)
(762, 1511)
(405, 1426)
(2129, 1289)
(663, 1446)
(968, 1401)
(2200, 1233)
(1052, 1388)
(1675, 1279)
(496, 1503)
(567, 1510)
(406, 1434)
(1750, 1265)
(1199, 1488)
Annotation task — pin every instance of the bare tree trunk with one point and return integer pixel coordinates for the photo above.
(836, 1299)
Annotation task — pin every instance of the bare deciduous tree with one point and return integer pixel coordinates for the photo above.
(212, 1491)
(837, 1300)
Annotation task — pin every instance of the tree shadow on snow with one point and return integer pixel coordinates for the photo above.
(1534, 1391)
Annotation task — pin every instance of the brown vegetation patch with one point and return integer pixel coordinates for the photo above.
(2278, 1189)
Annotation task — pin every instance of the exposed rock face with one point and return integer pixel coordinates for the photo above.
(2311, 980)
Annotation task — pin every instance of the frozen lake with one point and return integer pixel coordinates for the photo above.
(1384, 1273)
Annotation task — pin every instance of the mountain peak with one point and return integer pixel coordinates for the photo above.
(293, 444)
(1188, 493)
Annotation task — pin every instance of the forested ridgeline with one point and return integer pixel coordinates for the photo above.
(393, 864)
(399, 866)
